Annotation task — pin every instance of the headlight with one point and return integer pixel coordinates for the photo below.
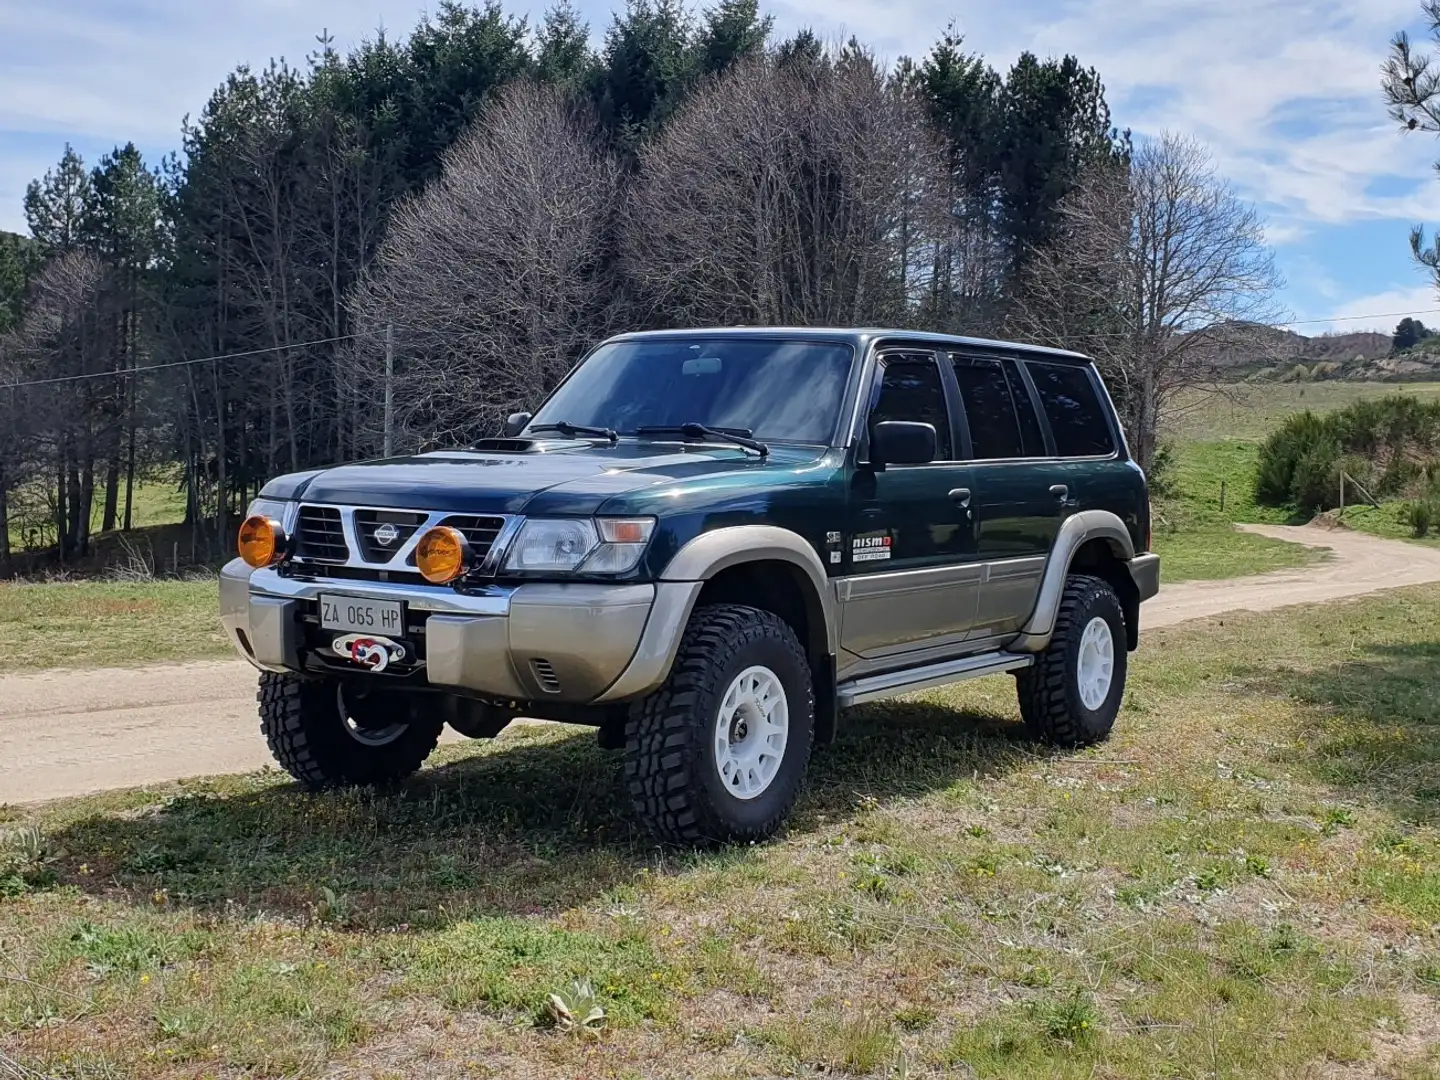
(442, 555)
(261, 541)
(563, 545)
(552, 544)
(275, 509)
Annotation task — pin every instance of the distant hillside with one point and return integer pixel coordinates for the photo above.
(1273, 354)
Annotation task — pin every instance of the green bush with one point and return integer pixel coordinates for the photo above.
(1281, 453)
(1390, 444)
(1419, 516)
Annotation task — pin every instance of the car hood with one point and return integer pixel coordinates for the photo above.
(555, 478)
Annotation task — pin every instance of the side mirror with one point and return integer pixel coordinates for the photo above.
(515, 423)
(902, 442)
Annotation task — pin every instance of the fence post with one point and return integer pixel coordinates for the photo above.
(1222, 496)
(1342, 493)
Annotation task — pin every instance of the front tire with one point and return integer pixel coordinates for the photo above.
(325, 737)
(1072, 694)
(719, 752)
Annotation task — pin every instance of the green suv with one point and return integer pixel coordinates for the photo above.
(708, 544)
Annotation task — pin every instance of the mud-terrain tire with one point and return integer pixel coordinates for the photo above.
(1072, 693)
(305, 723)
(746, 665)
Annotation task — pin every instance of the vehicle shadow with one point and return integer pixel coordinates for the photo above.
(1380, 736)
(536, 822)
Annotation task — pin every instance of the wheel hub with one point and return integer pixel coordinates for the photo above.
(751, 732)
(366, 729)
(1095, 664)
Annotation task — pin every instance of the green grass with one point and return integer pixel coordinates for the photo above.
(1251, 411)
(99, 624)
(156, 502)
(1242, 883)
(1193, 531)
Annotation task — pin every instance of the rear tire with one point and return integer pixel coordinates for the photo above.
(1072, 694)
(719, 752)
(325, 740)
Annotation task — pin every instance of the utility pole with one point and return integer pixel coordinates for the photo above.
(389, 388)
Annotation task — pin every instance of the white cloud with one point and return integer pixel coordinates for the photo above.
(1285, 92)
(1238, 74)
(1378, 312)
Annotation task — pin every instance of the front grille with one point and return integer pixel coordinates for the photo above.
(364, 573)
(319, 536)
(479, 531)
(402, 525)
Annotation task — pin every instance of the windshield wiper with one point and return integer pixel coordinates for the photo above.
(738, 436)
(569, 430)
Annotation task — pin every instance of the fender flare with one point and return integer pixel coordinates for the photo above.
(719, 549)
(678, 589)
(1076, 530)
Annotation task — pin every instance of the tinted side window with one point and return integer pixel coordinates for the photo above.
(1025, 409)
(989, 408)
(1076, 419)
(910, 390)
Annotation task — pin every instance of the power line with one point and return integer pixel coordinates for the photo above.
(371, 333)
(186, 363)
(1361, 318)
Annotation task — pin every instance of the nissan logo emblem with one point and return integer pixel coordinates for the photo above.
(386, 534)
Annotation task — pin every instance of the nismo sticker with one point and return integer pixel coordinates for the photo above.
(870, 547)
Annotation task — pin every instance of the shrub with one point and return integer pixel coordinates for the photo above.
(1161, 475)
(1300, 463)
(1419, 515)
(1281, 453)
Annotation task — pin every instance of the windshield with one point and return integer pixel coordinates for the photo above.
(783, 391)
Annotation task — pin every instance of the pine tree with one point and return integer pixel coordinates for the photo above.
(58, 207)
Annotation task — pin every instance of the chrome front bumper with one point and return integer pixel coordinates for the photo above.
(596, 643)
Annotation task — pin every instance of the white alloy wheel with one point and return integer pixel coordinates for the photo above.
(365, 736)
(751, 732)
(1095, 667)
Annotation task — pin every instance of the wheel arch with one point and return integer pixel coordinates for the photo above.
(759, 565)
(741, 551)
(1094, 542)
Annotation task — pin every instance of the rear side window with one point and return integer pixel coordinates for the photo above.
(1002, 423)
(1025, 408)
(910, 389)
(1070, 401)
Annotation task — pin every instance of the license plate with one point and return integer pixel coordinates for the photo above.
(358, 614)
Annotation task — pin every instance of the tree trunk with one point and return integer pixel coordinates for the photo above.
(5, 565)
(112, 489)
(130, 467)
(62, 504)
(87, 504)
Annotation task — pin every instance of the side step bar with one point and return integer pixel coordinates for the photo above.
(859, 691)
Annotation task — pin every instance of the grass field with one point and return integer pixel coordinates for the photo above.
(156, 502)
(1215, 439)
(1251, 411)
(1242, 883)
(100, 624)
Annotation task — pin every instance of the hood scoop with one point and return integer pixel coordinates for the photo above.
(531, 446)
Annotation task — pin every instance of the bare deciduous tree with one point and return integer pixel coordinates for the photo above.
(493, 277)
(1159, 268)
(798, 193)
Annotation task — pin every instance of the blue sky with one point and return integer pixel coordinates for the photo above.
(1284, 92)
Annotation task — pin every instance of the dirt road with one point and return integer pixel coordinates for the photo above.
(72, 732)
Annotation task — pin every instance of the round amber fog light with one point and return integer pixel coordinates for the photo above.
(261, 541)
(442, 555)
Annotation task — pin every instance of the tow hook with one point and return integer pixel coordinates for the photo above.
(370, 652)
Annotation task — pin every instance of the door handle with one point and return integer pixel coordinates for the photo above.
(961, 496)
(1060, 491)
